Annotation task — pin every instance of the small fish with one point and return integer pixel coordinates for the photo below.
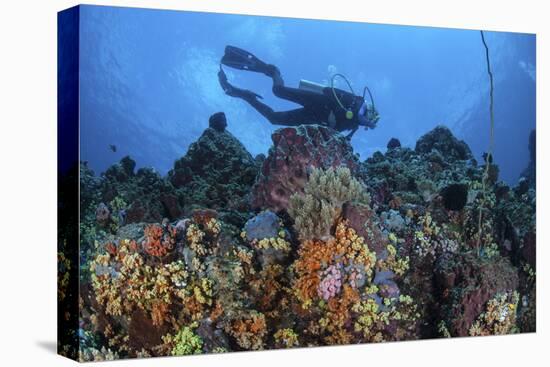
(112, 147)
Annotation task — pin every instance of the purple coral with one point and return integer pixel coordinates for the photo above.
(331, 282)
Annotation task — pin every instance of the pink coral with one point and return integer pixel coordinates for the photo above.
(331, 282)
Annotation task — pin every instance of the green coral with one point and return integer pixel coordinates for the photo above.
(186, 342)
(286, 338)
(316, 210)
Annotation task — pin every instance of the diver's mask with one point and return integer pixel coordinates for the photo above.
(368, 116)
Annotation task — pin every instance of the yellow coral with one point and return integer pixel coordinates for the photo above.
(274, 243)
(213, 226)
(286, 338)
(195, 237)
(499, 317)
(397, 265)
(135, 284)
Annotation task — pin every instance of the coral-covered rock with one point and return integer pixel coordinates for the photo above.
(136, 197)
(440, 166)
(213, 338)
(102, 214)
(121, 171)
(203, 216)
(466, 282)
(143, 333)
(393, 221)
(393, 143)
(295, 150)
(170, 203)
(529, 249)
(516, 226)
(217, 172)
(264, 225)
(218, 121)
(443, 140)
(363, 220)
(530, 173)
(139, 211)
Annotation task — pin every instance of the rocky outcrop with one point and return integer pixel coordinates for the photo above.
(217, 172)
(466, 282)
(443, 140)
(363, 219)
(295, 150)
(441, 166)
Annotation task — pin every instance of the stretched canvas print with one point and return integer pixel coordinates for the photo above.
(232, 183)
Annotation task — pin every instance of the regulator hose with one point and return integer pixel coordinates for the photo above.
(365, 90)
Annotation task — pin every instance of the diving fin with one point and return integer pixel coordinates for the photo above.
(234, 91)
(238, 58)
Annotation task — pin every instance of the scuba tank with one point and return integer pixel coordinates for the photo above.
(311, 86)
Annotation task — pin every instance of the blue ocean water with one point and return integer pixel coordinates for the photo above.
(148, 82)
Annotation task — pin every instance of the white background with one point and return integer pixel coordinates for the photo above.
(28, 182)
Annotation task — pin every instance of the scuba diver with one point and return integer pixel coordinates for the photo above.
(323, 105)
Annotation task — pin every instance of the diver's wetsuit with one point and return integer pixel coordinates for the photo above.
(321, 108)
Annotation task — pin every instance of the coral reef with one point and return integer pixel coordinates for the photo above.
(315, 248)
(294, 152)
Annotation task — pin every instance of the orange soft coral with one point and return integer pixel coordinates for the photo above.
(346, 249)
(159, 240)
(249, 330)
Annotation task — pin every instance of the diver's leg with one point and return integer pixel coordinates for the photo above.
(297, 95)
(244, 60)
(300, 96)
(284, 118)
(233, 91)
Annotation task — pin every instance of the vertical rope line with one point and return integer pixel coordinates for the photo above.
(489, 154)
